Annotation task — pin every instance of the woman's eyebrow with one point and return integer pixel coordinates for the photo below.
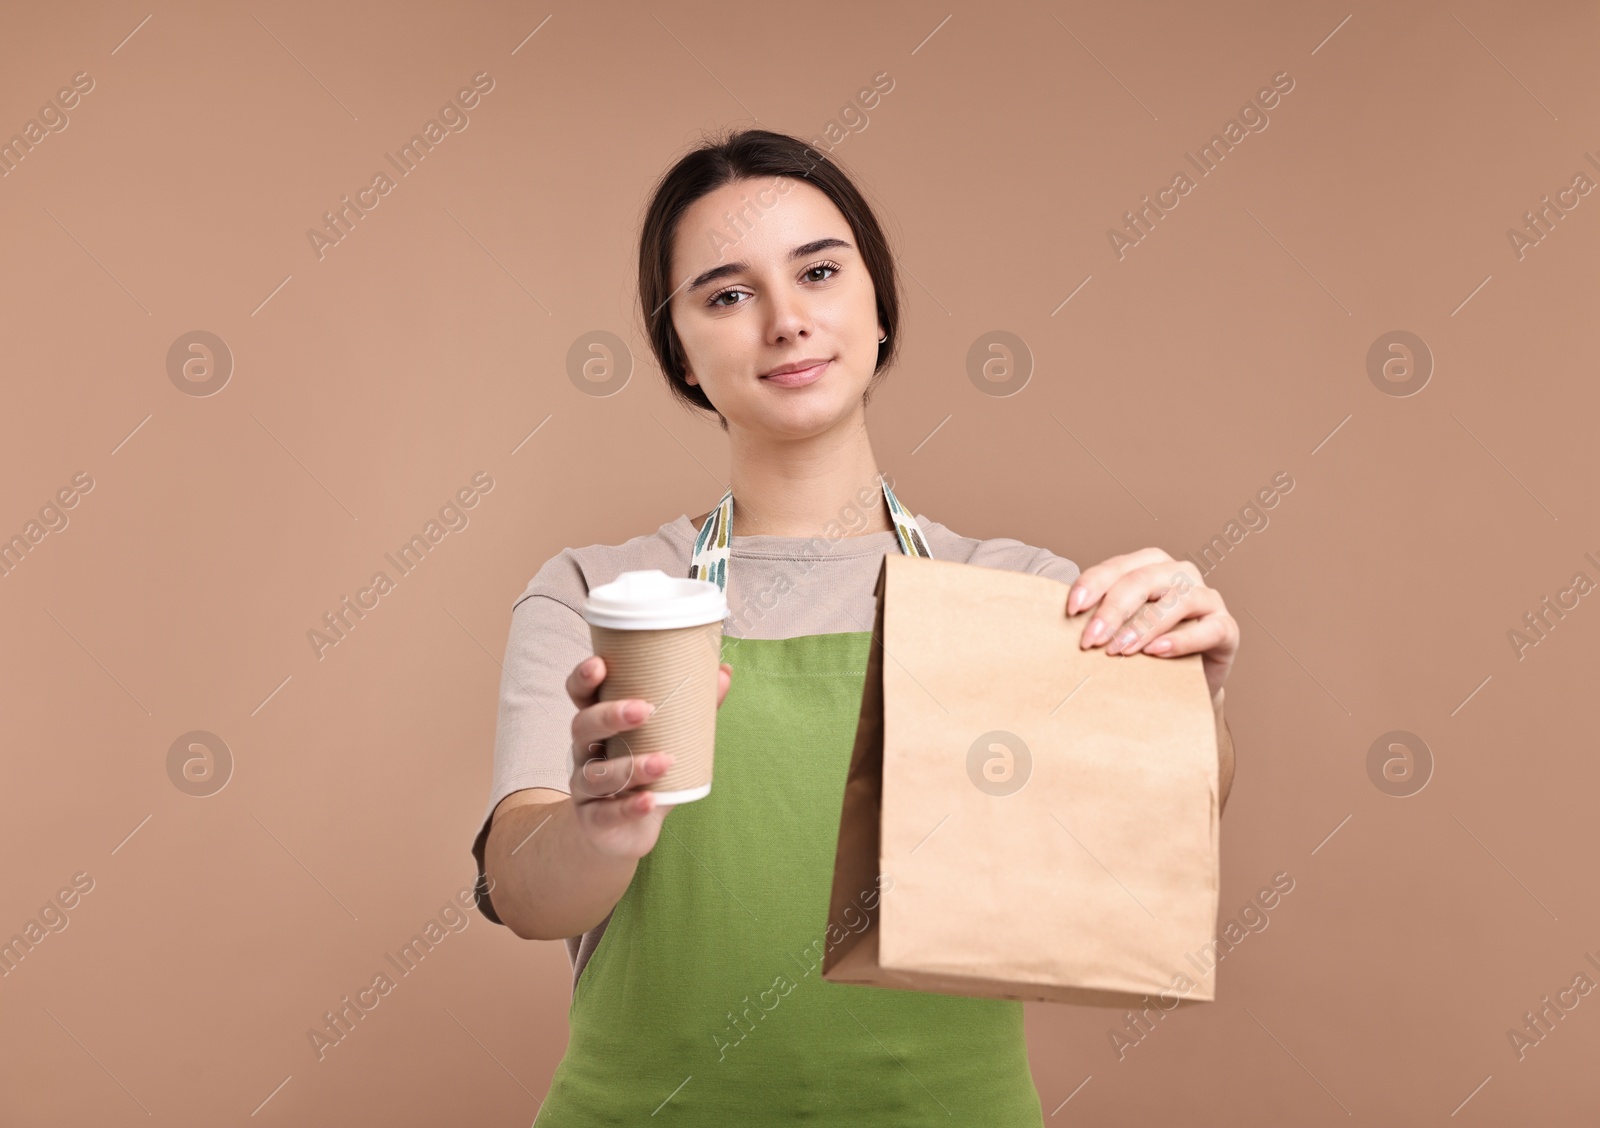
(728, 268)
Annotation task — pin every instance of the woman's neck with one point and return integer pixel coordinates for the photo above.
(804, 487)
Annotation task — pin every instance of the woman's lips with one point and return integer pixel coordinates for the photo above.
(798, 379)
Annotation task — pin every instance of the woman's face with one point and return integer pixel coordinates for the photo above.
(768, 275)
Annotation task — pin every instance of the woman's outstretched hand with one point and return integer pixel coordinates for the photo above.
(608, 797)
(1143, 598)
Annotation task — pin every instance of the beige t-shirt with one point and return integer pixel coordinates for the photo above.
(778, 587)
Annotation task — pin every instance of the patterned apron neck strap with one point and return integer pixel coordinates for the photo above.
(711, 547)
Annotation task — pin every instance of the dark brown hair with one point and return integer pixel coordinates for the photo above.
(741, 155)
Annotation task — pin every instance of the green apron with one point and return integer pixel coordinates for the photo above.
(704, 1003)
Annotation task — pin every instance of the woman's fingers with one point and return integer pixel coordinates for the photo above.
(607, 793)
(584, 681)
(600, 779)
(1093, 582)
(631, 807)
(1158, 620)
(1192, 637)
(1138, 600)
(609, 790)
(594, 723)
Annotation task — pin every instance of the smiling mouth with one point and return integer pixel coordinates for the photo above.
(798, 379)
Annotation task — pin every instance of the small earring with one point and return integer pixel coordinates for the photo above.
(883, 338)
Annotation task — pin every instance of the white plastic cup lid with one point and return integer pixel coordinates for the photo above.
(652, 600)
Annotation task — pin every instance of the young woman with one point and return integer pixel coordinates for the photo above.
(696, 932)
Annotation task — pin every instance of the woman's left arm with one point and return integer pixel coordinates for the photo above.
(1144, 596)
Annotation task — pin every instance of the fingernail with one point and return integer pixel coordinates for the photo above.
(1097, 629)
(1124, 640)
(590, 667)
(639, 710)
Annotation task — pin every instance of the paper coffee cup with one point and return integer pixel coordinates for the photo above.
(661, 639)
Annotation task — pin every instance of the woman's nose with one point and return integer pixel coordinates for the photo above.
(788, 317)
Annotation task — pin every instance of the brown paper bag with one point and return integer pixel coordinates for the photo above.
(1035, 821)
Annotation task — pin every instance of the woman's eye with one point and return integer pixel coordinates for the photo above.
(716, 299)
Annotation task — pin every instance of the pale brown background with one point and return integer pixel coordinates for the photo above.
(371, 385)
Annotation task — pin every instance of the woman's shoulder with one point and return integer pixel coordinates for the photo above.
(568, 575)
(1007, 553)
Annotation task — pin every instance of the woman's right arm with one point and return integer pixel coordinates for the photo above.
(546, 881)
(558, 862)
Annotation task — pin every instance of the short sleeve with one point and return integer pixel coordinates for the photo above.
(533, 729)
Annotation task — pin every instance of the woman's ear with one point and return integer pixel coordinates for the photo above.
(688, 377)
